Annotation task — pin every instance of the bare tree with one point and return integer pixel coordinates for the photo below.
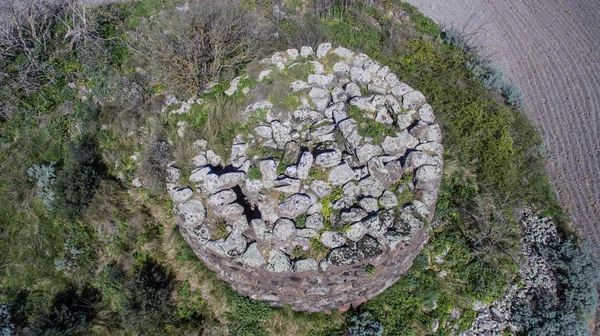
(205, 41)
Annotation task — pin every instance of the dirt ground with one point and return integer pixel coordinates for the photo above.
(552, 50)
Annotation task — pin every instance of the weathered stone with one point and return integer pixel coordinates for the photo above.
(230, 180)
(368, 247)
(360, 76)
(407, 224)
(426, 114)
(342, 256)
(364, 104)
(428, 177)
(369, 186)
(371, 66)
(365, 152)
(318, 67)
(229, 211)
(355, 232)
(351, 190)
(304, 265)
(388, 200)
(293, 54)
(328, 158)
(299, 85)
(320, 98)
(353, 90)
(322, 81)
(353, 215)
(347, 127)
(341, 68)
(307, 233)
(173, 174)
(234, 245)
(281, 133)
(343, 203)
(264, 74)
(295, 205)
(392, 79)
(399, 144)
(213, 158)
(191, 213)
(333, 239)
(306, 116)
(252, 257)
(284, 229)
(431, 148)
(200, 160)
(338, 95)
(370, 204)
(383, 71)
(417, 159)
(343, 52)
(384, 117)
(404, 120)
(340, 174)
(377, 89)
(315, 222)
(182, 194)
(306, 51)
(268, 212)
(323, 49)
(278, 262)
(238, 154)
(304, 164)
(412, 100)
(320, 188)
(291, 151)
(287, 185)
(400, 90)
(222, 198)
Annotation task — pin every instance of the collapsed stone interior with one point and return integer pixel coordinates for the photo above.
(336, 207)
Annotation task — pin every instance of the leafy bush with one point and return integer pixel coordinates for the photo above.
(43, 176)
(247, 315)
(513, 94)
(146, 299)
(364, 325)
(71, 313)
(78, 178)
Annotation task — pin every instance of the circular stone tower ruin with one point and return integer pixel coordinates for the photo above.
(325, 200)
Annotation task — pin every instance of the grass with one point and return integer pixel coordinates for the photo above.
(368, 127)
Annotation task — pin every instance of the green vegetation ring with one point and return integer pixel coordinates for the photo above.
(329, 186)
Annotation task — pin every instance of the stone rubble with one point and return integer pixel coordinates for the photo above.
(329, 205)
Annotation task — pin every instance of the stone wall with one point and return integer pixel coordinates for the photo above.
(338, 208)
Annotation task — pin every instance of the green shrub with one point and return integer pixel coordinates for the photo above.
(364, 325)
(146, 304)
(254, 173)
(78, 178)
(43, 176)
(513, 94)
(71, 313)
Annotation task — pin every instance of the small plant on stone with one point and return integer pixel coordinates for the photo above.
(254, 173)
(370, 270)
(301, 221)
(318, 250)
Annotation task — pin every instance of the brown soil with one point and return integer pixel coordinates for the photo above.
(552, 50)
